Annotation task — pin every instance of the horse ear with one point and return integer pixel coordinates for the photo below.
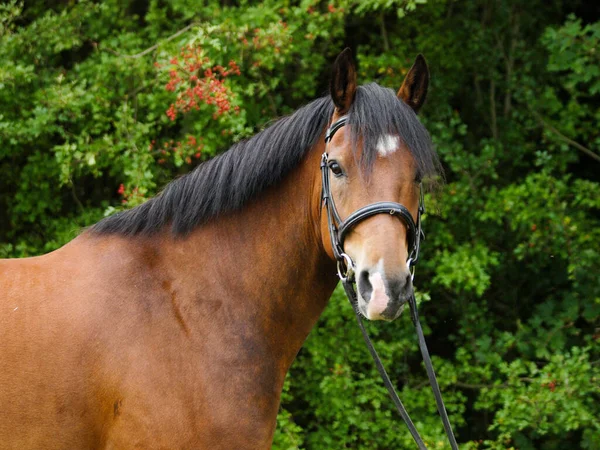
(414, 88)
(343, 81)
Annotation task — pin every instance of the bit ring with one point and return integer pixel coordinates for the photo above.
(349, 269)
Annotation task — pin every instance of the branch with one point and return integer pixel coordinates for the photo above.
(494, 124)
(510, 63)
(479, 386)
(384, 35)
(450, 7)
(564, 138)
(268, 94)
(556, 330)
(75, 198)
(154, 47)
(476, 386)
(477, 85)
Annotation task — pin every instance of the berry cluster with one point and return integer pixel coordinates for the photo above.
(182, 151)
(551, 385)
(275, 38)
(129, 194)
(330, 8)
(197, 81)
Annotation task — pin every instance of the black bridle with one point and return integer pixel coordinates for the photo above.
(338, 230)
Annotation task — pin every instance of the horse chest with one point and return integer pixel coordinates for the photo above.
(187, 395)
(161, 414)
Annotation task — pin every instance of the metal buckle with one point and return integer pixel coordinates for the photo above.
(411, 268)
(347, 261)
(324, 158)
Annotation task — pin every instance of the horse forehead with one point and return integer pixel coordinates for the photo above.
(393, 158)
(387, 144)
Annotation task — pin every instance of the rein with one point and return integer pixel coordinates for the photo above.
(338, 229)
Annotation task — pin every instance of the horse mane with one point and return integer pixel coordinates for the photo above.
(230, 180)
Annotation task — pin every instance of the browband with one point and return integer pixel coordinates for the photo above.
(334, 127)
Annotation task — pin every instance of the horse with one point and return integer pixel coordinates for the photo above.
(172, 325)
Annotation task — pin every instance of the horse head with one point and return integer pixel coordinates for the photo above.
(377, 153)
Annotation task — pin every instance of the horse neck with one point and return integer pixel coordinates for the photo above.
(267, 262)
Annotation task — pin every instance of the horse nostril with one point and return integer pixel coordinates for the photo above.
(364, 285)
(400, 288)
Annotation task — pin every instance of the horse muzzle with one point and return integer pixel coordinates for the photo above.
(381, 297)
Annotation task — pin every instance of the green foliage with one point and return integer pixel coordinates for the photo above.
(508, 282)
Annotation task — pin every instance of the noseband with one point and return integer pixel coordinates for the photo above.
(338, 230)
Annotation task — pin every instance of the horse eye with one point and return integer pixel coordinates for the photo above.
(335, 168)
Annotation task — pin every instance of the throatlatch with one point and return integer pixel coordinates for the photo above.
(338, 229)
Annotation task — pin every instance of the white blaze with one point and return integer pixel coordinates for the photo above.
(386, 145)
(379, 299)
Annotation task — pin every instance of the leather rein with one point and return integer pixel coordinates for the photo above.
(338, 230)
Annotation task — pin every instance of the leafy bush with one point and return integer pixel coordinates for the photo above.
(100, 109)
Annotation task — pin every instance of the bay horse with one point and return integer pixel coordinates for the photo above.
(172, 325)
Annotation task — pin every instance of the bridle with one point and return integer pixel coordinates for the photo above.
(338, 230)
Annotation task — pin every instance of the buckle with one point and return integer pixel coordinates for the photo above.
(324, 158)
(347, 261)
(411, 268)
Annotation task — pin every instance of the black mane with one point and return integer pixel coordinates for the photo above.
(227, 182)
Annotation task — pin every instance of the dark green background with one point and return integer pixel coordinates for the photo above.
(509, 278)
